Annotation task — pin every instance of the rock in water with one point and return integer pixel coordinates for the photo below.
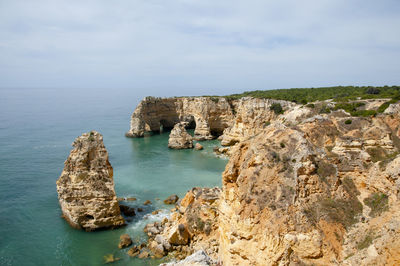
(179, 138)
(171, 199)
(86, 186)
(124, 241)
(198, 146)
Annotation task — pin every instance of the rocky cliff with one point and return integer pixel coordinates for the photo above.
(231, 120)
(303, 186)
(86, 187)
(321, 192)
(207, 116)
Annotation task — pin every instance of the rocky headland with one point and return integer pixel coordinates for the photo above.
(311, 184)
(86, 186)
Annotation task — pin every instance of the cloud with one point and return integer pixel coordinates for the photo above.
(202, 46)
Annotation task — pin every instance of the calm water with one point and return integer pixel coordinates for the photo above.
(37, 128)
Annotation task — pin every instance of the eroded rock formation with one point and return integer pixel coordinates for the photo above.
(306, 188)
(209, 117)
(179, 138)
(322, 192)
(86, 187)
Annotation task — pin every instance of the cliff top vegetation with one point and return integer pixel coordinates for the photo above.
(338, 93)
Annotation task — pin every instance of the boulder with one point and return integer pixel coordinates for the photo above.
(179, 138)
(127, 211)
(144, 254)
(198, 146)
(171, 199)
(179, 235)
(199, 258)
(86, 187)
(147, 202)
(124, 241)
(133, 251)
(131, 199)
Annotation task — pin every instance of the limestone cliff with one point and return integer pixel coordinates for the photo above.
(231, 120)
(306, 185)
(209, 116)
(86, 187)
(322, 192)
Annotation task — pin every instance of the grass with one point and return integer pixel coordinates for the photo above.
(378, 202)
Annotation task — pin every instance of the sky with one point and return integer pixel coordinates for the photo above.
(198, 47)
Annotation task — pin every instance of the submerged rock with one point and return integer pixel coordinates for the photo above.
(124, 241)
(131, 199)
(179, 138)
(110, 258)
(171, 199)
(147, 202)
(127, 211)
(86, 186)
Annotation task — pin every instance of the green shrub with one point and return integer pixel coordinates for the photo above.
(364, 113)
(366, 242)
(383, 107)
(348, 122)
(339, 93)
(277, 108)
(267, 123)
(377, 154)
(325, 109)
(372, 90)
(325, 169)
(378, 202)
(282, 145)
(310, 105)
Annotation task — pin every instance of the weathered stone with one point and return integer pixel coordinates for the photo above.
(133, 251)
(199, 258)
(131, 199)
(124, 241)
(147, 202)
(171, 199)
(179, 138)
(179, 235)
(86, 187)
(143, 254)
(198, 146)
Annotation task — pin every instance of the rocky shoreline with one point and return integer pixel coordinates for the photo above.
(303, 185)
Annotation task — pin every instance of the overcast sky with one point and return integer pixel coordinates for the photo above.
(198, 47)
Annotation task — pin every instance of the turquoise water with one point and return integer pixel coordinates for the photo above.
(37, 128)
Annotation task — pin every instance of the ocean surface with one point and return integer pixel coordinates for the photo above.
(37, 128)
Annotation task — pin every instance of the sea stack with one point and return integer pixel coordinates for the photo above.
(86, 186)
(179, 138)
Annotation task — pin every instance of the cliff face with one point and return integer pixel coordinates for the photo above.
(210, 117)
(301, 187)
(232, 121)
(321, 192)
(86, 187)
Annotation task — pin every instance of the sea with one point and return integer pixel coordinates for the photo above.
(37, 128)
